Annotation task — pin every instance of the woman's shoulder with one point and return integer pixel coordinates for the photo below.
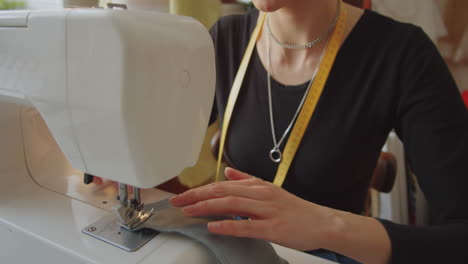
(384, 29)
(234, 26)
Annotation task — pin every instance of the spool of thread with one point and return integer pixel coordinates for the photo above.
(205, 11)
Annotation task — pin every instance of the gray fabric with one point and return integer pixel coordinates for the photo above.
(227, 249)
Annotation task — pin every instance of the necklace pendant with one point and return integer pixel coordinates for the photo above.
(276, 155)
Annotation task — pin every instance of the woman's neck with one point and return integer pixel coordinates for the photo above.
(302, 21)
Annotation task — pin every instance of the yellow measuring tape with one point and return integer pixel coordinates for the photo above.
(310, 103)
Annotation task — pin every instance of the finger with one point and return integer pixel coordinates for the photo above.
(217, 190)
(242, 228)
(229, 206)
(235, 175)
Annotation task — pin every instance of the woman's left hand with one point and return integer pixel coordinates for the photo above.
(276, 215)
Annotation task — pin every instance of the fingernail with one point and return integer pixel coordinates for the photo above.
(175, 199)
(227, 172)
(214, 225)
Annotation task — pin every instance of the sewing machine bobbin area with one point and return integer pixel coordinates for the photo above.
(109, 230)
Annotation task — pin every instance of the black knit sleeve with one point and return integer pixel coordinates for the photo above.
(214, 31)
(432, 122)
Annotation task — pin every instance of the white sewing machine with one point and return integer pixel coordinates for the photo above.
(124, 95)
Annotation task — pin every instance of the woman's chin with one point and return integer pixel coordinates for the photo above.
(268, 5)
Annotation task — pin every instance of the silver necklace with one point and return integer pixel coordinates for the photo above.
(275, 154)
(313, 42)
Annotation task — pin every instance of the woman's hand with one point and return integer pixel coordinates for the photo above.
(275, 214)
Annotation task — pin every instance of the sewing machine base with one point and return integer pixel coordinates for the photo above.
(108, 230)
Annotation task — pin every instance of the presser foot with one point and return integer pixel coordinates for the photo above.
(131, 213)
(125, 228)
(132, 218)
(109, 229)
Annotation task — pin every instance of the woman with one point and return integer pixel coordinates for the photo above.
(387, 75)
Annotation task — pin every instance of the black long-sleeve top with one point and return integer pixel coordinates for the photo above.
(387, 75)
